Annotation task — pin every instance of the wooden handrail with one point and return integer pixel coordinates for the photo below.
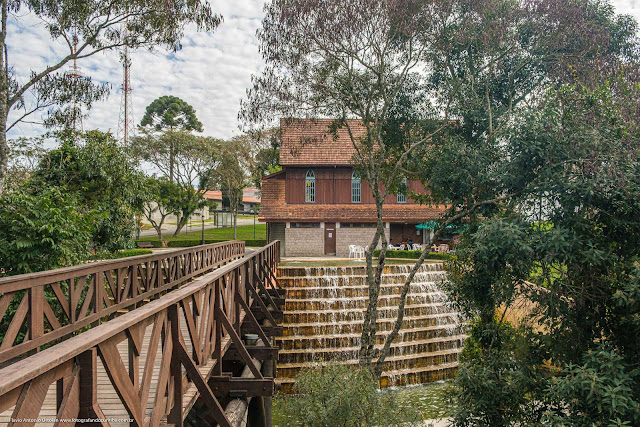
(72, 363)
(51, 305)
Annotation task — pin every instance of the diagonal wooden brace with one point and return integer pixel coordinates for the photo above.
(205, 392)
(220, 316)
(261, 304)
(260, 285)
(251, 318)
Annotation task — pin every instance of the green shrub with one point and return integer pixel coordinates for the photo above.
(185, 243)
(343, 395)
(121, 254)
(412, 254)
(41, 231)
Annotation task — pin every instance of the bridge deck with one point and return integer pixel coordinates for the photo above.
(107, 396)
(150, 364)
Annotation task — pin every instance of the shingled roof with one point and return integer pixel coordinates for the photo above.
(309, 142)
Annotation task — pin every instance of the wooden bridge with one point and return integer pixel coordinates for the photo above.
(142, 341)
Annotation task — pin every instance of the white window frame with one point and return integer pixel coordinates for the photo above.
(310, 187)
(356, 188)
(402, 196)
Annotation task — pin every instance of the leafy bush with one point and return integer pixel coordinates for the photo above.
(599, 392)
(343, 395)
(121, 254)
(412, 254)
(41, 232)
(103, 179)
(185, 243)
(497, 384)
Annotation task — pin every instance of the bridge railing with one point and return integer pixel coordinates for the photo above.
(39, 308)
(177, 366)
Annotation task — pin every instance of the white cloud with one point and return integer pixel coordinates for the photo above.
(211, 72)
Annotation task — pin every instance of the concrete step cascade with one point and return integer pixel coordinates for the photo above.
(323, 317)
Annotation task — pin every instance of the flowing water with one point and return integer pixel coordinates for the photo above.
(323, 317)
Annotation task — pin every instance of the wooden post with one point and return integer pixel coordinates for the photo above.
(175, 416)
(88, 393)
(36, 312)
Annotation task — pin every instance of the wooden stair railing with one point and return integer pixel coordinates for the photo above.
(212, 310)
(51, 305)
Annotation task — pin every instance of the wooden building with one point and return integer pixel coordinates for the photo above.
(318, 206)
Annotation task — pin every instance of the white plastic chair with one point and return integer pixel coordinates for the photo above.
(416, 247)
(352, 251)
(402, 247)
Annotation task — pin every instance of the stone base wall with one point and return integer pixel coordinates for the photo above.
(304, 242)
(354, 236)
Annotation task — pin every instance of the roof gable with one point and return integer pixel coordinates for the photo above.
(310, 142)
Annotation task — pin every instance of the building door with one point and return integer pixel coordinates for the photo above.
(330, 238)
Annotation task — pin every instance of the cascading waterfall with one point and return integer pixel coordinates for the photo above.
(325, 308)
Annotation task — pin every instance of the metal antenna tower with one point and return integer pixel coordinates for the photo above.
(126, 125)
(75, 75)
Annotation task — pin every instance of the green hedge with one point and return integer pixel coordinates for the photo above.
(120, 254)
(412, 254)
(185, 243)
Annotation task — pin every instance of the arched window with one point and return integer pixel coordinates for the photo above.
(310, 187)
(402, 192)
(356, 188)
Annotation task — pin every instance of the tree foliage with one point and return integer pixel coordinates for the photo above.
(41, 231)
(184, 159)
(102, 177)
(170, 113)
(339, 395)
(84, 28)
(161, 198)
(231, 174)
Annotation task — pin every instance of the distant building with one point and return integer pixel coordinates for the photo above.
(250, 199)
(318, 206)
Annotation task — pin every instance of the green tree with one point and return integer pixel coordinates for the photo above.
(84, 28)
(42, 231)
(103, 178)
(169, 114)
(190, 157)
(565, 240)
(162, 198)
(435, 84)
(231, 174)
(265, 147)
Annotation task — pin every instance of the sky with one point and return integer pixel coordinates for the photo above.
(211, 72)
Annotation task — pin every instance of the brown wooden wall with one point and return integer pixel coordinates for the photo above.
(333, 186)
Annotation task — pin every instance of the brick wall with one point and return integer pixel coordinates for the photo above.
(354, 236)
(304, 242)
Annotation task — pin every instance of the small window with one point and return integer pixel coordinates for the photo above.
(305, 225)
(402, 192)
(310, 187)
(357, 225)
(356, 188)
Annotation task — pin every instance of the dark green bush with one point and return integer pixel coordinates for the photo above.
(121, 254)
(412, 254)
(185, 243)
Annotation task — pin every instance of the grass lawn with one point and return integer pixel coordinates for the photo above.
(244, 232)
(247, 217)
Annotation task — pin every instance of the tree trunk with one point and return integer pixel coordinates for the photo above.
(171, 160)
(368, 336)
(181, 223)
(4, 96)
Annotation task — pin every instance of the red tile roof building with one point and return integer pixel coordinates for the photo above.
(317, 206)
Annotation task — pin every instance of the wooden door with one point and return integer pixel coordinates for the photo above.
(330, 238)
